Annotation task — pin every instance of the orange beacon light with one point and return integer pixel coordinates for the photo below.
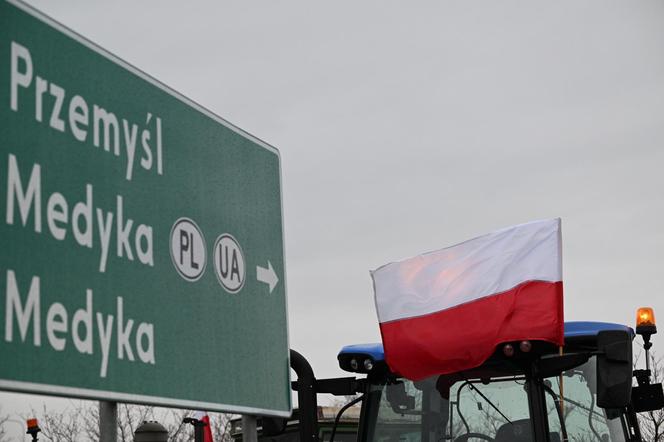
(645, 326)
(645, 321)
(33, 428)
(646, 396)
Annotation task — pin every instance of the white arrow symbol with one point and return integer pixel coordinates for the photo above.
(267, 275)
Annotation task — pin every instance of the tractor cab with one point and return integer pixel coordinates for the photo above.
(526, 391)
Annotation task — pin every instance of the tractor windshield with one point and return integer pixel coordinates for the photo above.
(466, 410)
(584, 421)
(490, 409)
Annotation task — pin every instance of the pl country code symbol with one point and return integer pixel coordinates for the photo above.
(188, 249)
(229, 263)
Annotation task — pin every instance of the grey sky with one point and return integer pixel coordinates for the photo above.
(408, 126)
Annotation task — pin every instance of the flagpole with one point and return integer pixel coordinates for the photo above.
(560, 386)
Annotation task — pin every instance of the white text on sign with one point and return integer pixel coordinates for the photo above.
(105, 125)
(23, 310)
(82, 220)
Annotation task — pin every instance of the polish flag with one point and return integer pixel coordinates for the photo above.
(207, 430)
(447, 310)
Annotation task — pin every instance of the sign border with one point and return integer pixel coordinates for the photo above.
(93, 394)
(86, 393)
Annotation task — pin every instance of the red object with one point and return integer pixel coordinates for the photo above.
(464, 336)
(207, 437)
(207, 430)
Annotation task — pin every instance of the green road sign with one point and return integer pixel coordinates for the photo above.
(141, 246)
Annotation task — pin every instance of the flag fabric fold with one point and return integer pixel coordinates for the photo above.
(447, 310)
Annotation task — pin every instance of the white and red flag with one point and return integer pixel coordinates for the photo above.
(447, 310)
(207, 430)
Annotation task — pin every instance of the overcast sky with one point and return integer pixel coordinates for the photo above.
(405, 127)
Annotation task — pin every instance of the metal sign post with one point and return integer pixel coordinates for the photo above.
(249, 428)
(108, 421)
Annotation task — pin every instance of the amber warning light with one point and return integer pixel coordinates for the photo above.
(645, 321)
(33, 428)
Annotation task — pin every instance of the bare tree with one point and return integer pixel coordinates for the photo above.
(130, 417)
(490, 421)
(221, 427)
(4, 420)
(173, 419)
(80, 421)
(90, 419)
(61, 426)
